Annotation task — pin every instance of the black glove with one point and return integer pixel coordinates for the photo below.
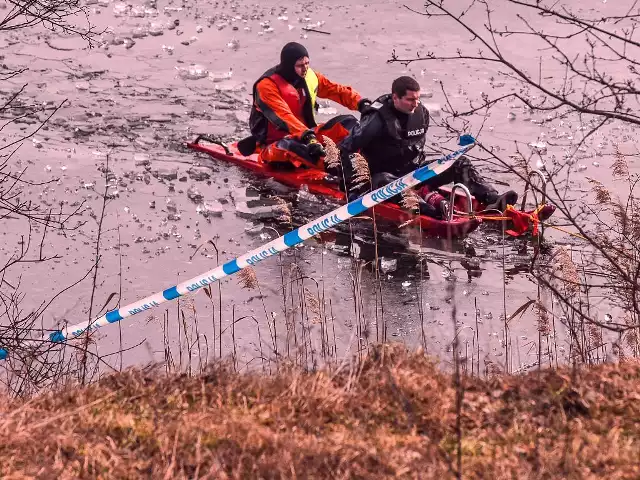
(363, 104)
(308, 137)
(316, 150)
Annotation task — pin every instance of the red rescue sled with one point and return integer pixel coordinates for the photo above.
(317, 182)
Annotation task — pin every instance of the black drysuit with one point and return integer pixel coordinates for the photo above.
(393, 143)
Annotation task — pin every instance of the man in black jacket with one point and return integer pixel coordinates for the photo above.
(391, 136)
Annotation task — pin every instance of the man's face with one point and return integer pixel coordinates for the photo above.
(408, 103)
(302, 66)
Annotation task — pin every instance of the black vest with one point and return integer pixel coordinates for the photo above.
(397, 150)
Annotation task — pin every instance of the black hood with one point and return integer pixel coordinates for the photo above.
(290, 54)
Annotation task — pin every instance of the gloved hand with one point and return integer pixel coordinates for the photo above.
(363, 103)
(308, 136)
(316, 150)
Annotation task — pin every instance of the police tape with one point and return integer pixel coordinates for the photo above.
(274, 247)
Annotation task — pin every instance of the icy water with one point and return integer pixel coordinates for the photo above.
(162, 73)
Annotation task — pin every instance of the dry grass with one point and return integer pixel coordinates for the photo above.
(332, 159)
(390, 416)
(620, 167)
(567, 272)
(285, 211)
(410, 200)
(603, 196)
(247, 278)
(362, 175)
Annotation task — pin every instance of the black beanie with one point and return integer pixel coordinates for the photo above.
(290, 54)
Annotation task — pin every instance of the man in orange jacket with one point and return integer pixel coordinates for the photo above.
(282, 120)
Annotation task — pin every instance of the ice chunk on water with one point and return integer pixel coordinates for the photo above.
(194, 194)
(142, 159)
(254, 228)
(120, 9)
(234, 44)
(156, 29)
(540, 147)
(388, 264)
(168, 49)
(220, 76)
(327, 111)
(140, 32)
(210, 209)
(192, 72)
(243, 210)
(171, 206)
(137, 11)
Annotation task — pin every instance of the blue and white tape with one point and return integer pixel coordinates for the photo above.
(274, 247)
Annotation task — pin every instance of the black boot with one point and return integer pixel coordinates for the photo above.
(501, 201)
(436, 206)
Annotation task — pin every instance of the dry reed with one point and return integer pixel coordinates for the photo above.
(285, 211)
(247, 278)
(567, 272)
(349, 423)
(620, 167)
(332, 159)
(410, 200)
(361, 175)
(603, 196)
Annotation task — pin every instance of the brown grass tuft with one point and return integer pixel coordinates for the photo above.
(332, 159)
(247, 278)
(392, 415)
(631, 339)
(285, 211)
(595, 335)
(602, 194)
(567, 271)
(410, 200)
(544, 326)
(313, 304)
(620, 167)
(362, 175)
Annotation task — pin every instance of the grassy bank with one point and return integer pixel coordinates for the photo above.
(392, 415)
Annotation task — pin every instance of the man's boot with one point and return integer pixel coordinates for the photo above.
(480, 188)
(500, 202)
(438, 205)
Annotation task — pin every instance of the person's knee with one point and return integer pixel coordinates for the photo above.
(463, 162)
(381, 179)
(338, 127)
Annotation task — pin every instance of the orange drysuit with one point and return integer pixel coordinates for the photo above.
(281, 113)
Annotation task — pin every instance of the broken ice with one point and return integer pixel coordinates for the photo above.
(194, 194)
(209, 209)
(540, 147)
(192, 72)
(388, 264)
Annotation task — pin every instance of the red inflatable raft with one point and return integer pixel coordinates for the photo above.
(316, 180)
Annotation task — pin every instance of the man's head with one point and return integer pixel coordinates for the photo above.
(294, 61)
(405, 92)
